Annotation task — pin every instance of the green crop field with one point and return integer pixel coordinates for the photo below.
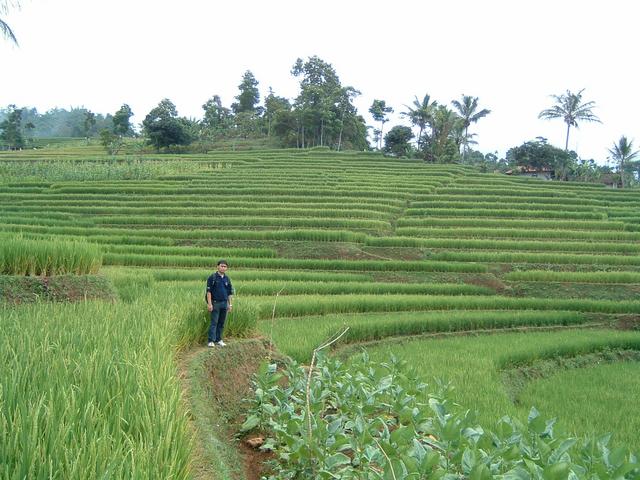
(520, 293)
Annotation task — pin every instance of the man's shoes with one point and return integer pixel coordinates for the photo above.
(221, 343)
(210, 344)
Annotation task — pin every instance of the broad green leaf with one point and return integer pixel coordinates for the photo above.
(334, 426)
(558, 471)
(468, 461)
(517, 473)
(480, 472)
(557, 454)
(250, 423)
(336, 460)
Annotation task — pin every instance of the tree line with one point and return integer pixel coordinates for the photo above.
(323, 115)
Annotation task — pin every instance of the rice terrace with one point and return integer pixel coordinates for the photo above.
(393, 318)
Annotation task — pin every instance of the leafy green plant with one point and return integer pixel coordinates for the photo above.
(367, 420)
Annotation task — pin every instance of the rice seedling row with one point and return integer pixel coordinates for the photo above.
(204, 233)
(574, 277)
(508, 245)
(204, 211)
(549, 224)
(348, 223)
(291, 264)
(542, 258)
(21, 256)
(523, 233)
(327, 287)
(294, 337)
(510, 213)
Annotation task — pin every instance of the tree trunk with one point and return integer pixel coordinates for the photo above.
(466, 143)
(341, 128)
(566, 143)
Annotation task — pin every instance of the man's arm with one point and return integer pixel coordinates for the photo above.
(209, 299)
(209, 302)
(230, 292)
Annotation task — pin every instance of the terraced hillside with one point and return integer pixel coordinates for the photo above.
(390, 248)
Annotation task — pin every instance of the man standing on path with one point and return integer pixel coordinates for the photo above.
(219, 302)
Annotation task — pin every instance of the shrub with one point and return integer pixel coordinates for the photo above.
(368, 420)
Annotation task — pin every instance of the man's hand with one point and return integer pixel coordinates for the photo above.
(229, 307)
(210, 307)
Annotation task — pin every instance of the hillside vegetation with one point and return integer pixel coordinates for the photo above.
(318, 241)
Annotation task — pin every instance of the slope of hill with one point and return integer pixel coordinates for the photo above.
(319, 241)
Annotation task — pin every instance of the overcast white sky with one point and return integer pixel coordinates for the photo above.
(511, 54)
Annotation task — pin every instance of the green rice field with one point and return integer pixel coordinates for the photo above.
(472, 278)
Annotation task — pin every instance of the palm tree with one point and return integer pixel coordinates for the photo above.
(443, 144)
(467, 109)
(570, 108)
(622, 153)
(421, 115)
(4, 27)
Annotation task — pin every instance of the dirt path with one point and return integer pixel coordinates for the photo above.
(215, 402)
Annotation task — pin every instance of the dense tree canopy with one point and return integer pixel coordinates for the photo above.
(59, 122)
(398, 141)
(122, 121)
(324, 110)
(538, 154)
(163, 128)
(249, 96)
(11, 128)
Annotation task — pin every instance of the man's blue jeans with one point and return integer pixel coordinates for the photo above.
(218, 316)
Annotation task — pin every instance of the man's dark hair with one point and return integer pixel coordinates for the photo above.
(222, 262)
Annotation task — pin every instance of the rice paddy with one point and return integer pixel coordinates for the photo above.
(405, 254)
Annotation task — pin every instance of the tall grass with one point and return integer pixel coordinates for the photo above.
(294, 264)
(218, 211)
(473, 365)
(181, 275)
(121, 169)
(525, 233)
(304, 305)
(551, 224)
(348, 223)
(21, 256)
(545, 258)
(507, 245)
(294, 337)
(329, 287)
(595, 407)
(90, 391)
(504, 212)
(320, 235)
(192, 251)
(574, 277)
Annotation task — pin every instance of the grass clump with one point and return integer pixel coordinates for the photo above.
(21, 256)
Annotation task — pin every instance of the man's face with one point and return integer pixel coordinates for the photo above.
(222, 268)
